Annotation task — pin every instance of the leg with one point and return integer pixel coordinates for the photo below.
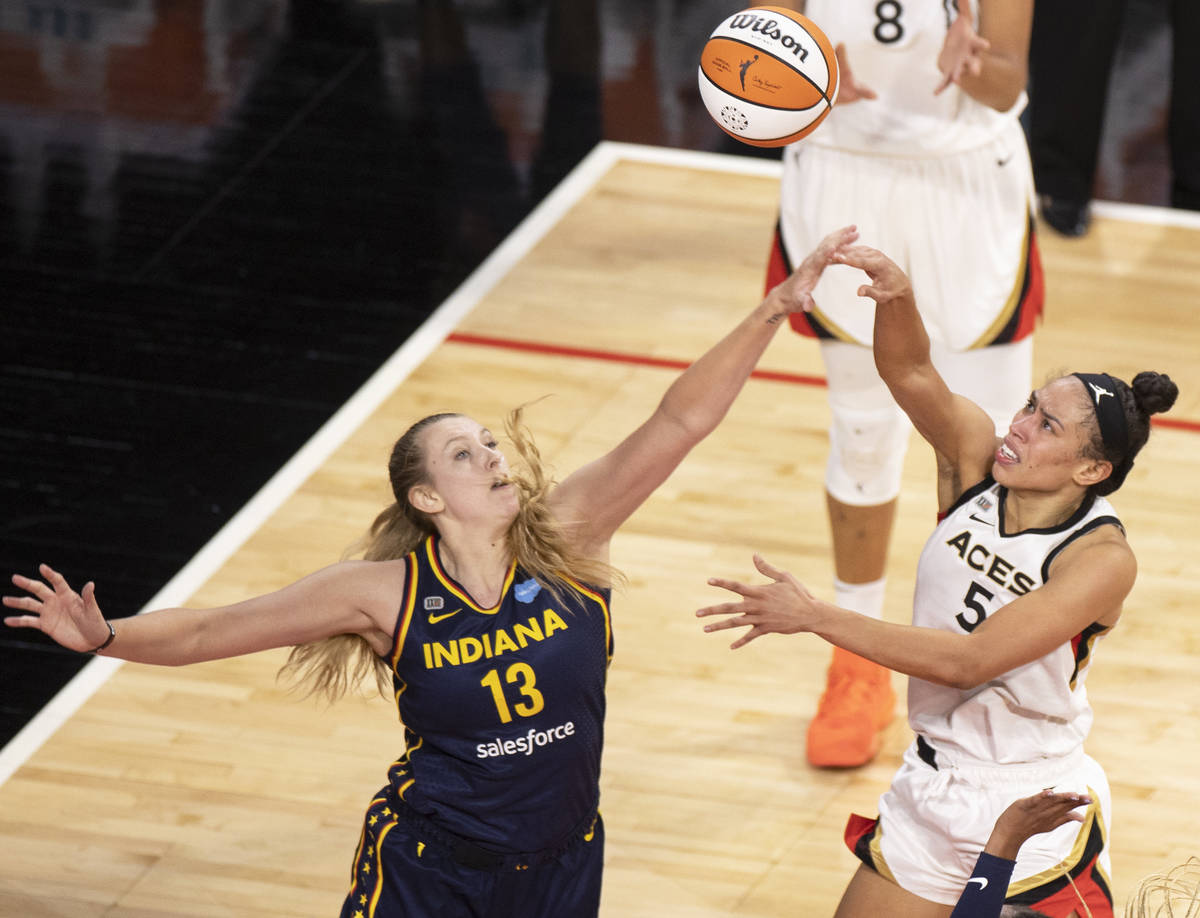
(1070, 58)
(869, 895)
(1183, 129)
(868, 440)
(860, 538)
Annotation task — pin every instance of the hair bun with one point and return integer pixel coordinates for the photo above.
(1154, 392)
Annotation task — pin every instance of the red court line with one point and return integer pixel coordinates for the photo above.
(562, 350)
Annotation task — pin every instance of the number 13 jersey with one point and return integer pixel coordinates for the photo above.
(503, 707)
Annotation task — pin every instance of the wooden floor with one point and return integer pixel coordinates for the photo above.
(207, 791)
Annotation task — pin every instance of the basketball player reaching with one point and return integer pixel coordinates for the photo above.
(1026, 571)
(924, 152)
(483, 597)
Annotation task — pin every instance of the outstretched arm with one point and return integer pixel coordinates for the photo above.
(1088, 583)
(597, 498)
(353, 597)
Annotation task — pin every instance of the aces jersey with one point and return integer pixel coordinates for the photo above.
(892, 47)
(968, 570)
(503, 707)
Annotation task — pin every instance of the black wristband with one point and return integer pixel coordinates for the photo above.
(112, 633)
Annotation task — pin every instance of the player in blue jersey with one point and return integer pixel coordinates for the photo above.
(483, 597)
(1025, 573)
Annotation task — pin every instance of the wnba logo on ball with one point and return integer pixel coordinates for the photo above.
(768, 76)
(770, 28)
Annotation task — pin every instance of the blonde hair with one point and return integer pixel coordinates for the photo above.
(332, 666)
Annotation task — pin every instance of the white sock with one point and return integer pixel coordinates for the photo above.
(864, 598)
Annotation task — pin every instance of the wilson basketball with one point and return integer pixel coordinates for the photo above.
(768, 76)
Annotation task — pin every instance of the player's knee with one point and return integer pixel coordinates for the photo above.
(866, 457)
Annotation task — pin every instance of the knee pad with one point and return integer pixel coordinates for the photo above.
(866, 455)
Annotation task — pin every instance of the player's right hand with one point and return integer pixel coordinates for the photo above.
(72, 619)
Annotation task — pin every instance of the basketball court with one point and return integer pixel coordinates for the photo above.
(147, 792)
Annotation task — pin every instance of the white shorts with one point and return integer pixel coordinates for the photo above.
(960, 226)
(934, 822)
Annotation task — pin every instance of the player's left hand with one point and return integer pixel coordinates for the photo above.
(794, 294)
(962, 51)
(784, 606)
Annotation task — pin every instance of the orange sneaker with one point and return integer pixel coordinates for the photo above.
(858, 703)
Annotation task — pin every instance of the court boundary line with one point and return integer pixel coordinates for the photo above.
(329, 437)
(419, 346)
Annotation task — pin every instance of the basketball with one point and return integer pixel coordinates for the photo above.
(768, 76)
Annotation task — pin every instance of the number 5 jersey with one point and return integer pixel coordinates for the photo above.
(968, 570)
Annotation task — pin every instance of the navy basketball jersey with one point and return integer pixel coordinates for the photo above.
(503, 707)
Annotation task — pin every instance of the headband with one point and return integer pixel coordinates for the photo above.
(1110, 412)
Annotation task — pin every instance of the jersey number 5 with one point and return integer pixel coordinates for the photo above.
(971, 601)
(521, 675)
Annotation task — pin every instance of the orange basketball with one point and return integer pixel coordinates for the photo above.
(768, 76)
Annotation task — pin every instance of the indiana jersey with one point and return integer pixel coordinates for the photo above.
(969, 569)
(892, 48)
(503, 707)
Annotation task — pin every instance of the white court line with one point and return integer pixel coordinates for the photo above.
(323, 443)
(420, 345)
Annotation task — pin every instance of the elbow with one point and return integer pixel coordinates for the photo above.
(691, 424)
(1004, 100)
(964, 673)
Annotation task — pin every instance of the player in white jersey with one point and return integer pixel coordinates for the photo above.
(924, 152)
(1028, 567)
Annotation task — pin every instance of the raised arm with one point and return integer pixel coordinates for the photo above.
(959, 430)
(1088, 582)
(600, 496)
(353, 597)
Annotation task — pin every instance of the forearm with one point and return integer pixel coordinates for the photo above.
(983, 896)
(900, 343)
(176, 637)
(700, 397)
(926, 653)
(1006, 26)
(999, 84)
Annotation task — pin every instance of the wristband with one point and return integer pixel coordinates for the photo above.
(112, 634)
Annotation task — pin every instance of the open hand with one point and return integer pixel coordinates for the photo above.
(795, 293)
(72, 619)
(962, 51)
(784, 606)
(1031, 816)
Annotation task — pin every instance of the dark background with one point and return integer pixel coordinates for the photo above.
(218, 219)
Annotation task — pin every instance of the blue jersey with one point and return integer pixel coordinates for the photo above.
(503, 707)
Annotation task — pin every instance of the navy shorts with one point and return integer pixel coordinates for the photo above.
(407, 868)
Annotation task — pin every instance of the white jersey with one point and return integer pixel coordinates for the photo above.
(968, 570)
(892, 48)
